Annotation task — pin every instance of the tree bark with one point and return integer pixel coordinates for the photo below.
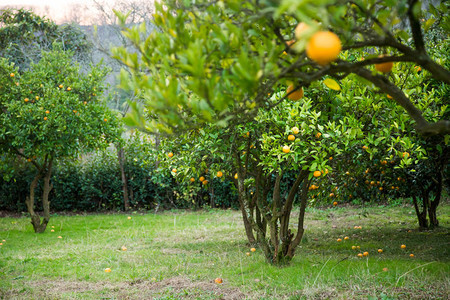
(301, 220)
(421, 215)
(35, 219)
(45, 203)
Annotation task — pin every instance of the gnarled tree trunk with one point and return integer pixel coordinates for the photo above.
(38, 225)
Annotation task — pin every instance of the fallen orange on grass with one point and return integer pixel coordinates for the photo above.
(253, 249)
(366, 253)
(107, 270)
(380, 250)
(218, 280)
(403, 246)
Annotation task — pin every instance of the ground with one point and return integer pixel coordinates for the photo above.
(178, 254)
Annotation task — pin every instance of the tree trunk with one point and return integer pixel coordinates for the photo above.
(242, 199)
(421, 215)
(121, 158)
(301, 220)
(38, 226)
(45, 203)
(35, 219)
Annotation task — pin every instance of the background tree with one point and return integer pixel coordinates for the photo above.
(50, 112)
(24, 35)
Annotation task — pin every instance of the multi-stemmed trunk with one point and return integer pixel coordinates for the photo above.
(431, 195)
(45, 173)
(263, 217)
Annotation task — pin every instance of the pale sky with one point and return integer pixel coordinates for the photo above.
(57, 10)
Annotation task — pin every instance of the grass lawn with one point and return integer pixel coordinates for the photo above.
(177, 255)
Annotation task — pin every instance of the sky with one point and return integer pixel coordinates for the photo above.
(57, 10)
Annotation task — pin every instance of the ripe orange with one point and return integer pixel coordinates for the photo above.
(296, 95)
(170, 154)
(318, 135)
(418, 68)
(202, 179)
(323, 47)
(107, 270)
(218, 280)
(129, 218)
(53, 230)
(411, 255)
(26, 99)
(124, 248)
(205, 182)
(37, 97)
(360, 255)
(405, 154)
(389, 96)
(174, 170)
(60, 86)
(45, 118)
(366, 253)
(332, 195)
(85, 102)
(339, 240)
(317, 173)
(69, 88)
(253, 249)
(346, 238)
(295, 130)
(219, 174)
(300, 29)
(59, 237)
(236, 176)
(291, 137)
(47, 111)
(12, 75)
(286, 149)
(385, 67)
(247, 253)
(353, 247)
(380, 250)
(192, 179)
(335, 203)
(365, 147)
(403, 246)
(106, 120)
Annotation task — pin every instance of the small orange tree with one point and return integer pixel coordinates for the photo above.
(49, 112)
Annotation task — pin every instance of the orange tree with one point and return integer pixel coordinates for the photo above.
(49, 112)
(229, 55)
(395, 162)
(273, 161)
(214, 64)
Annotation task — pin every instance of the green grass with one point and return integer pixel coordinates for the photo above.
(177, 255)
